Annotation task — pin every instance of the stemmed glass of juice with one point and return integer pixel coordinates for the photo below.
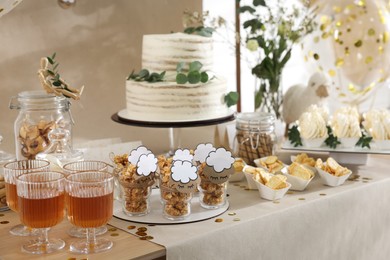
(82, 166)
(89, 199)
(41, 202)
(11, 171)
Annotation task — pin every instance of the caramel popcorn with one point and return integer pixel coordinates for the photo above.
(135, 193)
(176, 203)
(212, 194)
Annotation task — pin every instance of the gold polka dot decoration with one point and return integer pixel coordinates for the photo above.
(352, 45)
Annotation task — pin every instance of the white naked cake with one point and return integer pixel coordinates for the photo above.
(167, 100)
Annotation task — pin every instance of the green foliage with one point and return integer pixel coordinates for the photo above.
(332, 140)
(194, 74)
(200, 30)
(294, 136)
(145, 75)
(276, 30)
(364, 141)
(231, 98)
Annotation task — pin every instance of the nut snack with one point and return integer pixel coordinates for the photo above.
(176, 204)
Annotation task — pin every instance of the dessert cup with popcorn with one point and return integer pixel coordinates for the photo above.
(176, 205)
(135, 191)
(212, 195)
(332, 173)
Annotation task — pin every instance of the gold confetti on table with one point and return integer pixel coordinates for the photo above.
(142, 229)
(112, 229)
(218, 220)
(276, 201)
(236, 219)
(140, 233)
(301, 198)
(146, 238)
(365, 181)
(131, 227)
(114, 234)
(322, 194)
(367, 178)
(231, 213)
(290, 192)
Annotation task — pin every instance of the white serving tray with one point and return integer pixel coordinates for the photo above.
(156, 213)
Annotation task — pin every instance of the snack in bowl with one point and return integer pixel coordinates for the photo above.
(298, 175)
(249, 172)
(304, 159)
(270, 163)
(331, 172)
(271, 186)
(238, 165)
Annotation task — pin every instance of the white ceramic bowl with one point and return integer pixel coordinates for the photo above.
(297, 183)
(271, 194)
(330, 179)
(313, 143)
(312, 168)
(348, 142)
(249, 179)
(258, 164)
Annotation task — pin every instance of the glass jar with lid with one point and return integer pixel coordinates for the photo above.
(39, 113)
(255, 136)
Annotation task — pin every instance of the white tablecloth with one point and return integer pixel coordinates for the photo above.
(351, 221)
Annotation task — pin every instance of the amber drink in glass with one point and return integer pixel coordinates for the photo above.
(90, 199)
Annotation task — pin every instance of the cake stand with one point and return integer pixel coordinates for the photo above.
(173, 126)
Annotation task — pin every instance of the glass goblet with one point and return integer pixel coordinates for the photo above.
(41, 200)
(82, 166)
(90, 198)
(11, 171)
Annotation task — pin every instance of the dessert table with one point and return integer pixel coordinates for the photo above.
(345, 222)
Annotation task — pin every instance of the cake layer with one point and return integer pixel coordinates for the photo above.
(171, 101)
(162, 52)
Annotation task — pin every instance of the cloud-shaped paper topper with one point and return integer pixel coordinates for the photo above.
(146, 164)
(183, 171)
(202, 151)
(220, 160)
(183, 155)
(136, 154)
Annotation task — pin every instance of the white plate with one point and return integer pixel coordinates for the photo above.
(156, 213)
(374, 150)
(125, 115)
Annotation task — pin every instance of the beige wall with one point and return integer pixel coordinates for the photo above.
(98, 43)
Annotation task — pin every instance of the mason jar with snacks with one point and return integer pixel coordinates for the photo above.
(39, 113)
(255, 136)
